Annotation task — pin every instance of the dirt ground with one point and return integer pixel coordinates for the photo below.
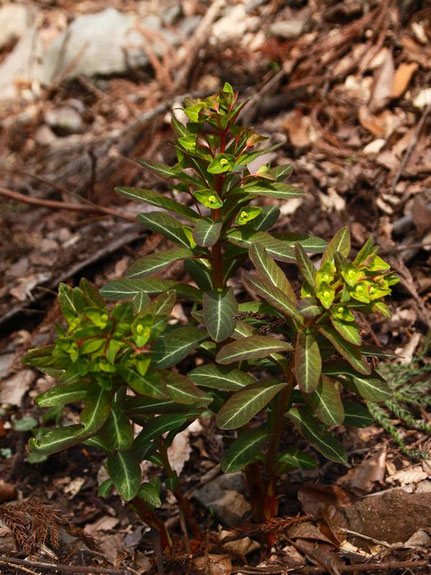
(345, 86)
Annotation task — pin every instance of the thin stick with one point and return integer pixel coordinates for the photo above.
(60, 567)
(411, 146)
(65, 205)
(315, 570)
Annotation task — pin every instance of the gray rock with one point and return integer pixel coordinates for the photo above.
(224, 496)
(107, 42)
(64, 120)
(15, 19)
(288, 29)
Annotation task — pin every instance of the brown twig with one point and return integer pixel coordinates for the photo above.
(316, 570)
(411, 146)
(65, 205)
(12, 561)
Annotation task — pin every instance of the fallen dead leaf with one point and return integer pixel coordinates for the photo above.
(421, 215)
(299, 129)
(370, 471)
(413, 474)
(381, 125)
(105, 523)
(213, 564)
(423, 99)
(402, 78)
(314, 497)
(383, 82)
(406, 353)
(245, 545)
(180, 449)
(13, 388)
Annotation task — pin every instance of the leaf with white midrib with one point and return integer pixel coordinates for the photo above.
(320, 439)
(346, 349)
(274, 297)
(219, 309)
(305, 265)
(176, 345)
(125, 472)
(242, 406)
(182, 390)
(62, 394)
(340, 243)
(127, 288)
(326, 403)
(267, 267)
(207, 232)
(155, 262)
(220, 377)
(244, 450)
(161, 223)
(58, 439)
(158, 200)
(97, 407)
(160, 425)
(253, 347)
(308, 363)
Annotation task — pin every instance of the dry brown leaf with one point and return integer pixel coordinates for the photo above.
(370, 471)
(298, 127)
(402, 78)
(383, 82)
(213, 564)
(314, 497)
(421, 215)
(381, 126)
(13, 388)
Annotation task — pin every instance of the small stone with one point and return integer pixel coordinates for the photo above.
(64, 120)
(288, 30)
(223, 497)
(44, 136)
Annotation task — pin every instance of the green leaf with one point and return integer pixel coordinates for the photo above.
(370, 388)
(268, 189)
(356, 415)
(151, 384)
(160, 425)
(155, 199)
(244, 450)
(125, 288)
(282, 172)
(124, 470)
(346, 349)
(275, 297)
(96, 409)
(265, 220)
(305, 265)
(200, 273)
(139, 302)
(221, 164)
(219, 309)
(160, 169)
(308, 363)
(267, 267)
(161, 223)
(297, 459)
(207, 232)
(57, 439)
(224, 378)
(309, 307)
(155, 262)
(247, 214)
(311, 244)
(253, 347)
(209, 198)
(176, 345)
(149, 493)
(245, 238)
(117, 431)
(348, 330)
(105, 488)
(312, 430)
(243, 405)
(62, 394)
(340, 243)
(141, 406)
(182, 390)
(326, 403)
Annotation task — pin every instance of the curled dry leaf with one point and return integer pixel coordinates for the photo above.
(213, 565)
(369, 472)
(402, 78)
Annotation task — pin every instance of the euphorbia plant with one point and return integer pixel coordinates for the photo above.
(281, 360)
